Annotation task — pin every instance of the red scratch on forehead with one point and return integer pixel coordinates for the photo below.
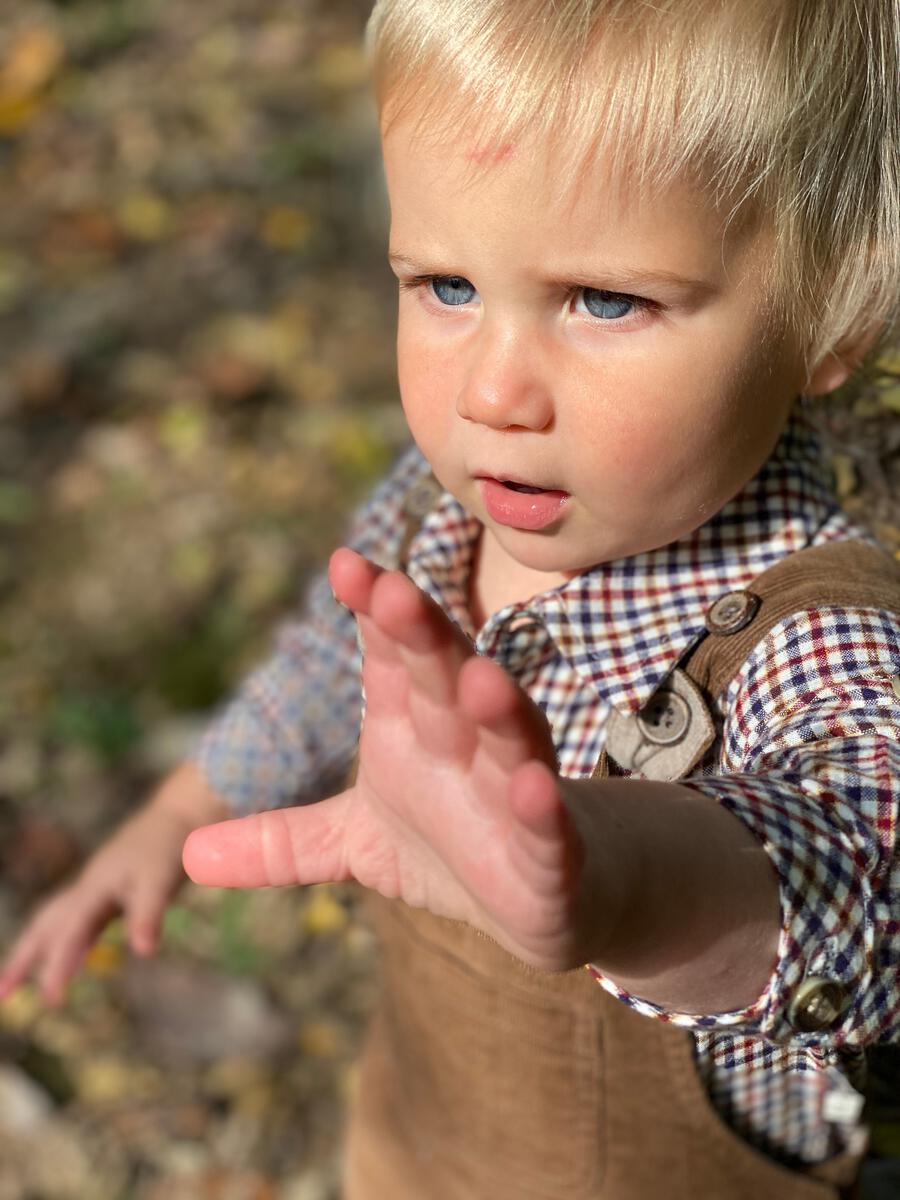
(491, 155)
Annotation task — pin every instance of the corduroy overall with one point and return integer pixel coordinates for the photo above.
(483, 1079)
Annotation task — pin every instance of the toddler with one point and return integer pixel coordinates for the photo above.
(626, 675)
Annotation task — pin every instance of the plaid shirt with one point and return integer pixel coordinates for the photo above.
(808, 757)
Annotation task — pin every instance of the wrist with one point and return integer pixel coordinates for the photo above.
(694, 914)
(606, 871)
(187, 797)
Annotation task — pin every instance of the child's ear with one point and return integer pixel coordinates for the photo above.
(838, 365)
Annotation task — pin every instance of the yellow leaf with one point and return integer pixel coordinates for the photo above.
(321, 1039)
(323, 914)
(356, 448)
(146, 216)
(286, 228)
(844, 475)
(260, 340)
(17, 111)
(230, 1076)
(13, 276)
(890, 398)
(256, 1101)
(183, 430)
(104, 959)
(31, 62)
(341, 67)
(21, 1009)
(193, 565)
(889, 362)
(107, 1079)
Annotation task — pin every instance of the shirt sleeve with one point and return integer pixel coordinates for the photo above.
(811, 764)
(289, 734)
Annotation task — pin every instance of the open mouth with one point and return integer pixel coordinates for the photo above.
(520, 487)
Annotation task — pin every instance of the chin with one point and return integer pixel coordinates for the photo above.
(540, 550)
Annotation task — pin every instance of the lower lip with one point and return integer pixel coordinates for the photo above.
(523, 510)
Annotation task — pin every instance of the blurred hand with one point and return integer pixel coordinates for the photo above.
(135, 874)
(456, 807)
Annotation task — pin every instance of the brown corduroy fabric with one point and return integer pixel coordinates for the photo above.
(483, 1079)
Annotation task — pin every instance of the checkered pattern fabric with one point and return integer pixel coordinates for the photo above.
(808, 758)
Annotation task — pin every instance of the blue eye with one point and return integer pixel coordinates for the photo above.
(452, 289)
(608, 306)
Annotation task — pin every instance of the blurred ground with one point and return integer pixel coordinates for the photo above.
(196, 385)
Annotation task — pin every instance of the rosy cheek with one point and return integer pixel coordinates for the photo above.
(424, 392)
(633, 449)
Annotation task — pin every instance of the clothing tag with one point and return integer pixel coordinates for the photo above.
(843, 1107)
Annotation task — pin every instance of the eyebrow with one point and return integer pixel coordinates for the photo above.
(614, 278)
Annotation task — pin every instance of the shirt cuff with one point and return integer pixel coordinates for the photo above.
(822, 859)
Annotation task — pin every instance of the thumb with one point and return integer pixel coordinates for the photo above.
(271, 849)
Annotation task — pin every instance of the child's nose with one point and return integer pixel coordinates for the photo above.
(504, 386)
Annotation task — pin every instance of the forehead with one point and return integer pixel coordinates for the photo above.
(531, 195)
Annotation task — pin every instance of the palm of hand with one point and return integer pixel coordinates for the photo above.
(455, 807)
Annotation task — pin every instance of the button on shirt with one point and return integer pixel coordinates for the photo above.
(808, 757)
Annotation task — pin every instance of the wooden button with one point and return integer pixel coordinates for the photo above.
(668, 737)
(666, 719)
(732, 612)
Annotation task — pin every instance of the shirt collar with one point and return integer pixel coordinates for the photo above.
(623, 625)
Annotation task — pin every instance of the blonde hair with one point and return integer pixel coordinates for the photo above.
(786, 111)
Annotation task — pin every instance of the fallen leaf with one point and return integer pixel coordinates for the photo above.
(845, 480)
(146, 217)
(105, 959)
(341, 66)
(321, 1039)
(322, 913)
(285, 228)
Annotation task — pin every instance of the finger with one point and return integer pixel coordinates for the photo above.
(407, 625)
(28, 949)
(144, 912)
(20, 961)
(352, 578)
(272, 849)
(512, 729)
(66, 952)
(61, 964)
(385, 678)
(535, 801)
(545, 834)
(429, 643)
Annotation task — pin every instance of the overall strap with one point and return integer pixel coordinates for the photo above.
(673, 732)
(848, 574)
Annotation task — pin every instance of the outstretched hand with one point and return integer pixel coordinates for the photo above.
(456, 806)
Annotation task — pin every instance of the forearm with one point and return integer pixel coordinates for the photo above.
(679, 903)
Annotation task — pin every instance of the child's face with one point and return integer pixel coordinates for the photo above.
(527, 359)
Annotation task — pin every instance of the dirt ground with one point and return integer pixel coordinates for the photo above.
(196, 386)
